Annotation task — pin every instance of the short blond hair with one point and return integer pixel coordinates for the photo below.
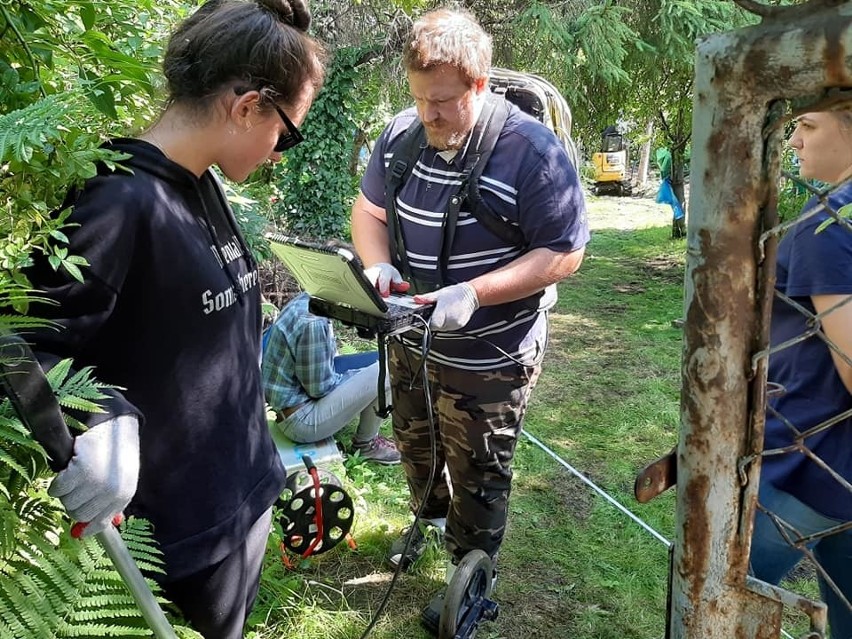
(452, 37)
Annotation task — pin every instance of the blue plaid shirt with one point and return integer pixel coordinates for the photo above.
(298, 362)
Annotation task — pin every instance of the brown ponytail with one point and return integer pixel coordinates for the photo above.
(243, 44)
(292, 12)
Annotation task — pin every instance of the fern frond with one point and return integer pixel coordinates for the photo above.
(9, 460)
(83, 382)
(87, 631)
(11, 623)
(74, 424)
(78, 403)
(118, 609)
(98, 601)
(79, 390)
(10, 322)
(18, 450)
(38, 123)
(11, 430)
(26, 615)
(70, 590)
(57, 375)
(9, 525)
(42, 515)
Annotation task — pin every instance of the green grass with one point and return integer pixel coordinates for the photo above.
(572, 565)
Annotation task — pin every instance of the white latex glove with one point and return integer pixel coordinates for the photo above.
(454, 306)
(100, 480)
(386, 279)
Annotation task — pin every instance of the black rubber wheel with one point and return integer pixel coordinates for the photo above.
(471, 581)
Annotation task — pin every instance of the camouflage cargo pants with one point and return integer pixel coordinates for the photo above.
(478, 419)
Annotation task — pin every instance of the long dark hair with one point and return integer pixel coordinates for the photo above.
(238, 44)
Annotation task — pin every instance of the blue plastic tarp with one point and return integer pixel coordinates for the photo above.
(666, 195)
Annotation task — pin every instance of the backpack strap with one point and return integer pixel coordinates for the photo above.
(485, 144)
(482, 142)
(401, 164)
(483, 138)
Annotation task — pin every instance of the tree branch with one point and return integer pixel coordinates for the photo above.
(757, 8)
(665, 125)
(24, 44)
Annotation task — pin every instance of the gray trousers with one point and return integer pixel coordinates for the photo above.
(356, 395)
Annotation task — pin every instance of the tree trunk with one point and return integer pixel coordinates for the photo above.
(645, 154)
(678, 224)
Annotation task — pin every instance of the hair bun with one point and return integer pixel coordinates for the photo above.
(294, 13)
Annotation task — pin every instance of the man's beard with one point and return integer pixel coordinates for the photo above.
(452, 141)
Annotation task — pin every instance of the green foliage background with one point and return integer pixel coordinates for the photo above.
(71, 73)
(74, 72)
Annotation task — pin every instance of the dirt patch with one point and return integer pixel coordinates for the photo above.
(542, 607)
(574, 496)
(662, 269)
(626, 213)
(629, 288)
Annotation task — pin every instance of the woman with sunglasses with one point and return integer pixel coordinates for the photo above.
(168, 310)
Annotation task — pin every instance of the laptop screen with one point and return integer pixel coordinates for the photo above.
(328, 273)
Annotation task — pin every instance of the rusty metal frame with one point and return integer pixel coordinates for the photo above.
(799, 55)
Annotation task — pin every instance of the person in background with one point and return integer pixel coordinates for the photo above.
(169, 310)
(814, 269)
(314, 391)
(489, 323)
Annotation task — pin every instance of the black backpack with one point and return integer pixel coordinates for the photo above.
(531, 94)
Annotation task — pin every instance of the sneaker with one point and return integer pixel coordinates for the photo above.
(416, 547)
(379, 449)
(430, 616)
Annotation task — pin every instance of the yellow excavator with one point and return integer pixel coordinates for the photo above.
(612, 165)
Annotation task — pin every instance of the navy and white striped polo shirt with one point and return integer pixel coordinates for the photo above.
(529, 181)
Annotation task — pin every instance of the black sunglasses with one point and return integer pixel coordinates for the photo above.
(289, 139)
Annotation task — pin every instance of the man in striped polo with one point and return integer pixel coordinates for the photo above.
(491, 296)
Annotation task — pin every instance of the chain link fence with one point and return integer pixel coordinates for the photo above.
(750, 84)
(824, 208)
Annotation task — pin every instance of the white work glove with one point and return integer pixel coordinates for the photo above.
(100, 480)
(454, 306)
(386, 279)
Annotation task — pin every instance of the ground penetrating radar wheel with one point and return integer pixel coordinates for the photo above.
(470, 585)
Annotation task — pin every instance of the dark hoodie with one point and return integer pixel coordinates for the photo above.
(170, 311)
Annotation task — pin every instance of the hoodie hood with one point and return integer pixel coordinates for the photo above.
(147, 157)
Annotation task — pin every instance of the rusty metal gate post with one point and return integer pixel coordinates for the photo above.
(798, 53)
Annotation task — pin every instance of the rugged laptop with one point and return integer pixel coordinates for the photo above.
(335, 280)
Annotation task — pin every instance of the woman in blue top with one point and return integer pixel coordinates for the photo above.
(814, 270)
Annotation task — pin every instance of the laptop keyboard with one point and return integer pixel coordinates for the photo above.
(400, 316)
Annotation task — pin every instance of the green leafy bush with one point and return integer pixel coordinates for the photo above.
(314, 188)
(71, 73)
